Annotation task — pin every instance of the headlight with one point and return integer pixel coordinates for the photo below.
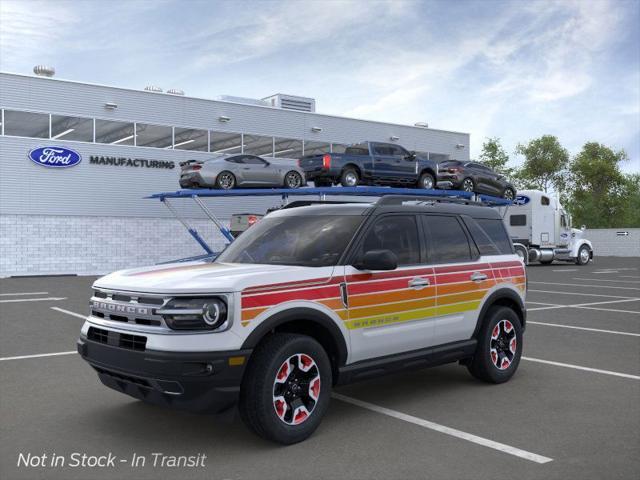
(195, 313)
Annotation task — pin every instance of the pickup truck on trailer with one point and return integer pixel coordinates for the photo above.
(310, 297)
(541, 230)
(371, 163)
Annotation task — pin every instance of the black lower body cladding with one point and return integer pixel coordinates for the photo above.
(201, 382)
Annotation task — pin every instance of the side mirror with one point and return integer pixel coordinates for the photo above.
(583, 227)
(411, 156)
(378, 260)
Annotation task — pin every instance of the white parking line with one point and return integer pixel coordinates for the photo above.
(581, 294)
(597, 330)
(629, 276)
(585, 285)
(603, 280)
(73, 314)
(22, 293)
(47, 299)
(533, 457)
(566, 270)
(552, 306)
(610, 310)
(579, 367)
(39, 355)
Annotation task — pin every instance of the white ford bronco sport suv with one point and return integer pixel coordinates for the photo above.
(308, 298)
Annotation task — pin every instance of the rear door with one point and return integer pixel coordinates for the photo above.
(390, 311)
(461, 279)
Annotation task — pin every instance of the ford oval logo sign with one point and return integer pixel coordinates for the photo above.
(521, 200)
(55, 157)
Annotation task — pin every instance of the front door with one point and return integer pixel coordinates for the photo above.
(258, 171)
(391, 311)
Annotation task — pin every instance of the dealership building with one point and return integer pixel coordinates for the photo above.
(91, 217)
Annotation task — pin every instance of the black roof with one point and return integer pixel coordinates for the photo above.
(394, 205)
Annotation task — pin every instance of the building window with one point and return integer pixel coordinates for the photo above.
(191, 139)
(156, 136)
(258, 145)
(287, 148)
(226, 143)
(71, 128)
(115, 133)
(316, 148)
(26, 124)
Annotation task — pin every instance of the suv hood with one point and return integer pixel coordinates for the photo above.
(201, 277)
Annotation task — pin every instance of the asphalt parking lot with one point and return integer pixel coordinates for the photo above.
(571, 411)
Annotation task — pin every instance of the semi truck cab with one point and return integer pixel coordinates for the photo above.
(541, 230)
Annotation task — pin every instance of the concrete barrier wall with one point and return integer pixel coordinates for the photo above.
(615, 242)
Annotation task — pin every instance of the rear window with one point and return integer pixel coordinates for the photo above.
(448, 241)
(490, 236)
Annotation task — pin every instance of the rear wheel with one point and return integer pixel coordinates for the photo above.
(225, 180)
(499, 346)
(584, 255)
(293, 179)
(349, 178)
(427, 181)
(468, 185)
(286, 389)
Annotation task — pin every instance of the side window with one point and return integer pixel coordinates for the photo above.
(238, 159)
(518, 220)
(398, 233)
(398, 151)
(563, 221)
(253, 160)
(448, 239)
(382, 150)
(495, 232)
(544, 200)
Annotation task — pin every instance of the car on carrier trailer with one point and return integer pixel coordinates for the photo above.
(541, 230)
(311, 297)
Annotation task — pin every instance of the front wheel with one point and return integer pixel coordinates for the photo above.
(286, 389)
(293, 179)
(508, 194)
(499, 346)
(427, 181)
(584, 255)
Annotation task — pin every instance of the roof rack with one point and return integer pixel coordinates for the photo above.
(388, 196)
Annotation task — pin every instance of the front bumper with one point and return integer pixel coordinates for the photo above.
(203, 382)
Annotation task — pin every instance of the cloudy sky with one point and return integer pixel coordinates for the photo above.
(511, 69)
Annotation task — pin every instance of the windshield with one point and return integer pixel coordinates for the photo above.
(312, 241)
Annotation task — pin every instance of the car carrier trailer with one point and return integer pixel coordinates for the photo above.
(321, 193)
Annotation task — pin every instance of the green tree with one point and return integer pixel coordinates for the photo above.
(600, 195)
(494, 156)
(544, 165)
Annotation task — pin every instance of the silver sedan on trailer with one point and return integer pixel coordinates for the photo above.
(231, 171)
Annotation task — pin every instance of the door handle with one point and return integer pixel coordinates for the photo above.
(246, 168)
(478, 277)
(419, 283)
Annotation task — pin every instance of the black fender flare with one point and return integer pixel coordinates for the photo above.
(300, 314)
(496, 298)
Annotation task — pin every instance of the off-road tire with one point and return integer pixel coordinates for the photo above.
(482, 365)
(256, 403)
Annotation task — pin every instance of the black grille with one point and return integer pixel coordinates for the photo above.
(133, 342)
(151, 300)
(118, 318)
(98, 335)
(122, 340)
(121, 298)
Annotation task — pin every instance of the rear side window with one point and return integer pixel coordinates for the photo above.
(544, 201)
(448, 240)
(398, 233)
(490, 236)
(518, 220)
